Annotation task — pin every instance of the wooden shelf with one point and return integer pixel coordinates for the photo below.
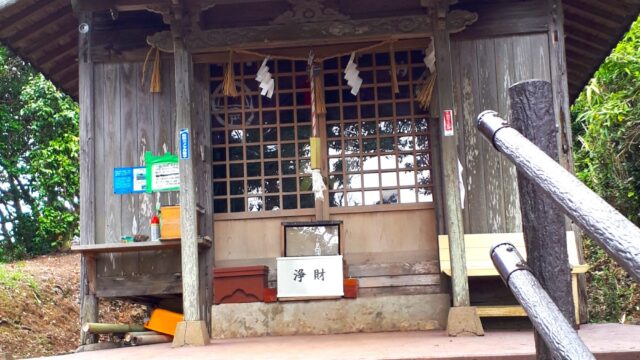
(135, 246)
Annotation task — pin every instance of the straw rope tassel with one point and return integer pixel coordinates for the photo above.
(155, 85)
(426, 91)
(229, 84)
(394, 70)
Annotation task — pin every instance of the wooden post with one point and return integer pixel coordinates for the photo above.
(463, 319)
(542, 220)
(204, 184)
(561, 101)
(88, 300)
(188, 230)
(193, 330)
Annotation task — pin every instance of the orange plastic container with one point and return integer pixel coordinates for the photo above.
(163, 321)
(170, 222)
(350, 288)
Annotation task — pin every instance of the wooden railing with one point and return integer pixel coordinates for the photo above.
(547, 192)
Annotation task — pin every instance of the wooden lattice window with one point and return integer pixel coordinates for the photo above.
(378, 141)
(261, 151)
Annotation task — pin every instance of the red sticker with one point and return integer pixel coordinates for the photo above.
(447, 120)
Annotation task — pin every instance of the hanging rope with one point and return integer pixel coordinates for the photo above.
(321, 108)
(154, 85)
(394, 70)
(312, 89)
(229, 84)
(426, 91)
(317, 59)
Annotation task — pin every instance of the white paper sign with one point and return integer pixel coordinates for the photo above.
(165, 177)
(310, 276)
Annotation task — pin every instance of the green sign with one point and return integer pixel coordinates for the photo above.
(163, 172)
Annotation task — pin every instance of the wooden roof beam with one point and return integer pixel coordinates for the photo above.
(67, 75)
(136, 5)
(576, 84)
(52, 40)
(587, 32)
(611, 20)
(583, 68)
(101, 5)
(42, 25)
(51, 57)
(578, 80)
(582, 52)
(36, 6)
(591, 23)
(576, 59)
(63, 66)
(71, 88)
(621, 8)
(291, 34)
(584, 43)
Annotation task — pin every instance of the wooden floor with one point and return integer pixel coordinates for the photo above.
(607, 341)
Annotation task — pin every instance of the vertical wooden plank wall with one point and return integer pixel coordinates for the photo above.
(484, 70)
(130, 206)
(130, 120)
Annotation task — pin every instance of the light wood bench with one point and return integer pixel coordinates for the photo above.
(478, 262)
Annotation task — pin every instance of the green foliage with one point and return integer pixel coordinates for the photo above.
(38, 162)
(606, 126)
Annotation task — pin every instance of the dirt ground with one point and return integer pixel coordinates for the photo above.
(39, 306)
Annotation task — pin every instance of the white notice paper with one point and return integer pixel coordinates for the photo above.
(165, 177)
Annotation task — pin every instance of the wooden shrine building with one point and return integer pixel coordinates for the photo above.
(361, 93)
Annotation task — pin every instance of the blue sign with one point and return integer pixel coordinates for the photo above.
(130, 180)
(184, 144)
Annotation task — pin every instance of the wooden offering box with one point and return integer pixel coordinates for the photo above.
(239, 284)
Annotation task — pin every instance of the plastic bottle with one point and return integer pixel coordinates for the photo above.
(155, 228)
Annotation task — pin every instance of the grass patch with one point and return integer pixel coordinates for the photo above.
(13, 278)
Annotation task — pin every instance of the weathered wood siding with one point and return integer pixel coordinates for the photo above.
(483, 70)
(129, 120)
(390, 252)
(394, 236)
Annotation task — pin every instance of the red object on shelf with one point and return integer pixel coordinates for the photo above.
(350, 288)
(270, 295)
(239, 284)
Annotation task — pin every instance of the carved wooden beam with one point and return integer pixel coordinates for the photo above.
(310, 34)
(135, 5)
(182, 15)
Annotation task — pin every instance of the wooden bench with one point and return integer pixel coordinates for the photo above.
(478, 262)
(137, 285)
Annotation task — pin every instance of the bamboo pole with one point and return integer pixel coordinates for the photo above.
(99, 328)
(130, 335)
(150, 339)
